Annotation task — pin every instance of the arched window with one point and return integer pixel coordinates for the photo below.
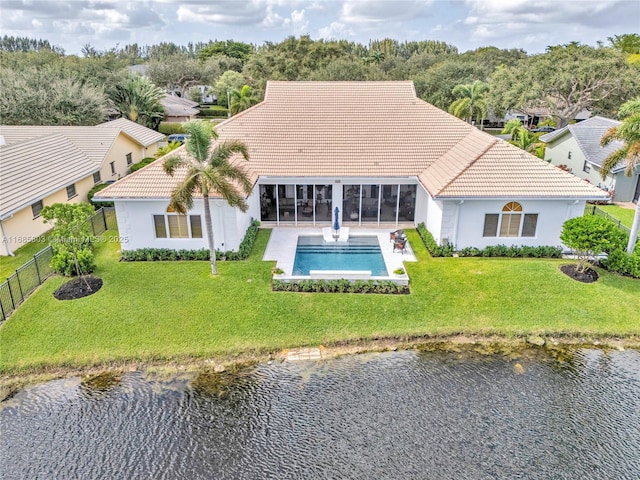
(511, 222)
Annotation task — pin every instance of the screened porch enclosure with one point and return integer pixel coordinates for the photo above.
(359, 203)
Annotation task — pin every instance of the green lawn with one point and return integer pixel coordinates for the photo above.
(8, 265)
(625, 215)
(163, 310)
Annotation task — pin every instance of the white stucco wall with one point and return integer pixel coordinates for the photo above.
(136, 227)
(434, 217)
(470, 220)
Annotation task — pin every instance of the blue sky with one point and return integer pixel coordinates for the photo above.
(468, 24)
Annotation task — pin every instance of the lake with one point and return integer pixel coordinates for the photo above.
(397, 415)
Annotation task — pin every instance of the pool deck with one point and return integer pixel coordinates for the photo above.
(284, 241)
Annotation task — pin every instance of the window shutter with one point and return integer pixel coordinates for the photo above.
(196, 226)
(490, 225)
(161, 230)
(529, 226)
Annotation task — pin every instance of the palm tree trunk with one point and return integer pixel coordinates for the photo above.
(209, 227)
(634, 230)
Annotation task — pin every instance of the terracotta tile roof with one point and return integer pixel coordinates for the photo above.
(363, 129)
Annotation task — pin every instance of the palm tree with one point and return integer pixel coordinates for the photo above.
(138, 100)
(527, 141)
(471, 102)
(241, 99)
(511, 128)
(207, 169)
(629, 133)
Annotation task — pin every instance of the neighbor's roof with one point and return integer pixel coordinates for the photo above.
(179, 107)
(587, 135)
(34, 169)
(38, 160)
(365, 129)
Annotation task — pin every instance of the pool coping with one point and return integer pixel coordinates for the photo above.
(283, 241)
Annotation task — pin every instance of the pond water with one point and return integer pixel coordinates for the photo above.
(396, 415)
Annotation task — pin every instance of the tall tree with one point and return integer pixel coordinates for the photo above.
(208, 170)
(629, 133)
(527, 141)
(137, 99)
(564, 81)
(42, 96)
(470, 103)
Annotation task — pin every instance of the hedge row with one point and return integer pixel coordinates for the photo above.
(341, 286)
(434, 249)
(215, 111)
(513, 251)
(619, 261)
(169, 128)
(168, 254)
(142, 163)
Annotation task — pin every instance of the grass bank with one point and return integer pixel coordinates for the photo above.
(160, 311)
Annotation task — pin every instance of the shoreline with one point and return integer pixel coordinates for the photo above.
(484, 344)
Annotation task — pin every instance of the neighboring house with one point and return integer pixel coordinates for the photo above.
(43, 165)
(577, 148)
(376, 152)
(532, 118)
(178, 109)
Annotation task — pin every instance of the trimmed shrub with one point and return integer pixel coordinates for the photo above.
(63, 263)
(217, 111)
(95, 189)
(619, 261)
(525, 251)
(142, 163)
(341, 286)
(169, 128)
(169, 254)
(434, 249)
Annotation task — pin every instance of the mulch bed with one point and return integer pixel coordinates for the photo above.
(588, 276)
(77, 288)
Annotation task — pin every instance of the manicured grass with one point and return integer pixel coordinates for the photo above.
(8, 265)
(164, 310)
(625, 215)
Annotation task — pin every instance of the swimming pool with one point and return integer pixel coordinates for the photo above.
(358, 253)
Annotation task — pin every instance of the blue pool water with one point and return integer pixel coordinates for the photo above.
(359, 253)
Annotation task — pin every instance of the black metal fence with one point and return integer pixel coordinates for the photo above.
(32, 274)
(594, 210)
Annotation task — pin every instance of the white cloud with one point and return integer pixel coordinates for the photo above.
(379, 11)
(335, 30)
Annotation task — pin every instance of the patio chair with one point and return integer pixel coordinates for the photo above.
(395, 234)
(400, 244)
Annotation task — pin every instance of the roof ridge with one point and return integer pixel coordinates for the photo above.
(469, 164)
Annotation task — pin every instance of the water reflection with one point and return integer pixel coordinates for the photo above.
(407, 414)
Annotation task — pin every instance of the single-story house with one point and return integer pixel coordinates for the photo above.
(376, 152)
(43, 165)
(577, 149)
(178, 109)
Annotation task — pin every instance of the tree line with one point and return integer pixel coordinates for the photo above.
(41, 85)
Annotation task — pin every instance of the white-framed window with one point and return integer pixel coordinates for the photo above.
(71, 191)
(96, 177)
(177, 226)
(511, 222)
(129, 159)
(113, 167)
(586, 167)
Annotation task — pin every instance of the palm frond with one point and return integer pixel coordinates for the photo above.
(182, 196)
(609, 136)
(216, 179)
(611, 161)
(199, 140)
(171, 164)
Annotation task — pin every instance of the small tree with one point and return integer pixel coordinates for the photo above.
(71, 239)
(589, 236)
